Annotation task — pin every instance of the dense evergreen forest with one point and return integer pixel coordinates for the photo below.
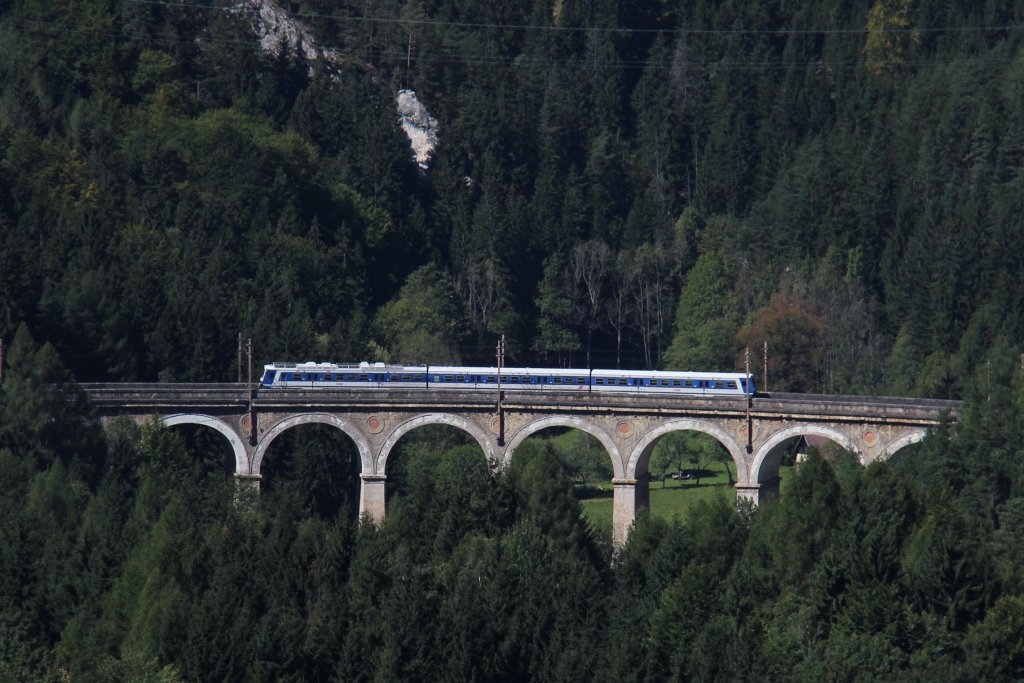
(616, 184)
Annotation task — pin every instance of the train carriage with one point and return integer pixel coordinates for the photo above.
(387, 376)
(344, 376)
(669, 382)
(512, 379)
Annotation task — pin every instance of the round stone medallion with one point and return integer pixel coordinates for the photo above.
(374, 424)
(870, 437)
(624, 429)
(748, 434)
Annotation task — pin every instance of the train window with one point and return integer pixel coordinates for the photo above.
(676, 383)
(664, 382)
(491, 379)
(363, 378)
(581, 380)
(599, 380)
(418, 377)
(460, 378)
(448, 378)
(504, 379)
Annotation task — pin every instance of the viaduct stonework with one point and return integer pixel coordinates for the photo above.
(757, 433)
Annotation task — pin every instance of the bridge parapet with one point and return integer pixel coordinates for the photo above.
(829, 407)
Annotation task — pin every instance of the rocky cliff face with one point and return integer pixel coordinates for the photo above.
(419, 126)
(278, 30)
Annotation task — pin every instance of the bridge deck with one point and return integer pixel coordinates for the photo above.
(162, 398)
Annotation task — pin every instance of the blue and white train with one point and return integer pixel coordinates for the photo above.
(383, 376)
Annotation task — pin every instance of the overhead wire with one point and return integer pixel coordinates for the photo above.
(543, 27)
(462, 58)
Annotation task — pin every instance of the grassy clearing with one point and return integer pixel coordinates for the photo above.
(673, 499)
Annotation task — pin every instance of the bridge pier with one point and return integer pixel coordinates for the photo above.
(630, 495)
(758, 492)
(371, 496)
(244, 480)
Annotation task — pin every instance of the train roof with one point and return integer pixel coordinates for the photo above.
(454, 369)
(332, 367)
(676, 374)
(483, 370)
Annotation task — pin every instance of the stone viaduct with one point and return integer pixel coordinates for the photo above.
(756, 433)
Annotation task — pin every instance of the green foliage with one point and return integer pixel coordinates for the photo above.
(425, 323)
(852, 196)
(706, 318)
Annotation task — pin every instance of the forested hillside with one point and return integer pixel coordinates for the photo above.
(634, 184)
(649, 184)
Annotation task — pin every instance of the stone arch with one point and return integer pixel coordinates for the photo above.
(238, 446)
(344, 424)
(576, 423)
(642, 451)
(900, 443)
(474, 430)
(754, 475)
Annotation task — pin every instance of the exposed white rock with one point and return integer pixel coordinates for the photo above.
(419, 126)
(278, 31)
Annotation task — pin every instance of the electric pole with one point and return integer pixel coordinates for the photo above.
(239, 357)
(252, 396)
(501, 413)
(750, 399)
(766, 365)
(1, 361)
